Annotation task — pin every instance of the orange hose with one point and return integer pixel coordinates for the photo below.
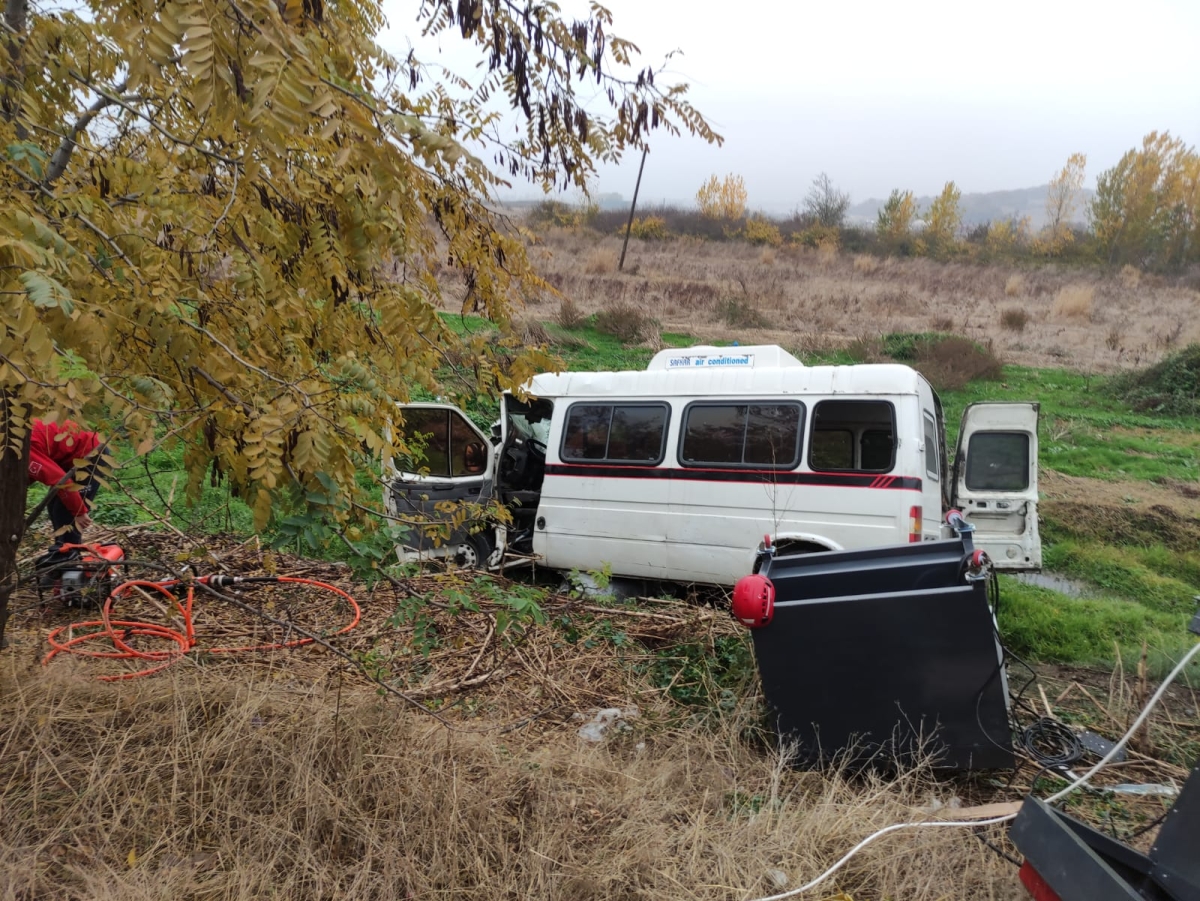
(117, 631)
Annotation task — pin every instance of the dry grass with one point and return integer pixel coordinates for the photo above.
(570, 316)
(834, 297)
(741, 313)
(531, 332)
(600, 261)
(866, 264)
(1073, 302)
(1130, 276)
(767, 257)
(289, 777)
(200, 785)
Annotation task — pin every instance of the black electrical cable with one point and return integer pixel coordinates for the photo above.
(996, 848)
(1142, 830)
(1046, 741)
(1050, 743)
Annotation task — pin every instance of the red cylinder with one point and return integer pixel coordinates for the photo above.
(754, 601)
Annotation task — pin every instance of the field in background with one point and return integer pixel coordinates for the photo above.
(1082, 318)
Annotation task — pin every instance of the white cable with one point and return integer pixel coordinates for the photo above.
(1082, 780)
(870, 838)
(1115, 749)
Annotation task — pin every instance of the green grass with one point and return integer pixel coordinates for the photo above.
(592, 350)
(1044, 625)
(1127, 573)
(159, 482)
(1084, 429)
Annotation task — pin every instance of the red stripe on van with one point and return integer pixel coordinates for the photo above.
(756, 476)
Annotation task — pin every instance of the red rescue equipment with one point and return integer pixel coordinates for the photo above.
(754, 601)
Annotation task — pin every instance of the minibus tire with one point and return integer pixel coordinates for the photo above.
(472, 553)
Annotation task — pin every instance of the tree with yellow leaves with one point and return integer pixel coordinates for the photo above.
(943, 220)
(722, 198)
(1061, 198)
(1147, 207)
(232, 223)
(895, 220)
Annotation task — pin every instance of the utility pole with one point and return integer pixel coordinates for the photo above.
(632, 207)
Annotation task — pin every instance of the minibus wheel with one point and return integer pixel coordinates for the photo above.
(472, 552)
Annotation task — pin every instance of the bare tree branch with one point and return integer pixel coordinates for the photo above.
(58, 162)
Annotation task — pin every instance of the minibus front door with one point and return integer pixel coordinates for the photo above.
(995, 482)
(441, 489)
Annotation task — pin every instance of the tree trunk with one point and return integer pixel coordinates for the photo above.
(14, 488)
(16, 13)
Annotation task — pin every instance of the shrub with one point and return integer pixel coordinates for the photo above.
(952, 361)
(1171, 386)
(563, 215)
(740, 313)
(760, 231)
(1014, 319)
(570, 316)
(649, 228)
(948, 361)
(816, 235)
(1015, 285)
(531, 332)
(627, 323)
(1130, 276)
(827, 253)
(867, 349)
(600, 261)
(1073, 302)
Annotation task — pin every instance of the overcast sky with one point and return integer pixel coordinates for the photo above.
(883, 94)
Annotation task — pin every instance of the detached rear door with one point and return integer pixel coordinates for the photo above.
(451, 464)
(995, 482)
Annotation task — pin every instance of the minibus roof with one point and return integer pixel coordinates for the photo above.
(753, 371)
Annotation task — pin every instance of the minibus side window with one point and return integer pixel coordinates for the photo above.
(832, 449)
(853, 436)
(876, 450)
(615, 433)
(931, 448)
(760, 435)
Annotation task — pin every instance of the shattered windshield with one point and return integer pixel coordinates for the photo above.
(529, 419)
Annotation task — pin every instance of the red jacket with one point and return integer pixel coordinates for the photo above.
(53, 449)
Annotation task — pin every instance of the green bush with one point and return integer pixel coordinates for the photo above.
(1171, 386)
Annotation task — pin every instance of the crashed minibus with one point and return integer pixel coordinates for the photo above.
(678, 472)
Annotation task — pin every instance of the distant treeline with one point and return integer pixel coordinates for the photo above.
(1145, 212)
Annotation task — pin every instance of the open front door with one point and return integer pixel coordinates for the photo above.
(995, 482)
(451, 464)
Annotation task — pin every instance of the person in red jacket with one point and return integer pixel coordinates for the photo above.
(65, 456)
